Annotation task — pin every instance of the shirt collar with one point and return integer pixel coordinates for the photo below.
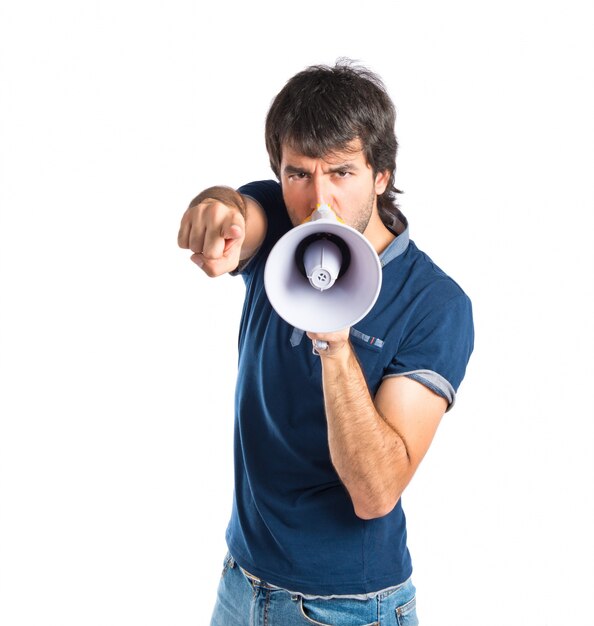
(398, 226)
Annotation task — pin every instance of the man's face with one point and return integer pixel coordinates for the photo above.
(344, 180)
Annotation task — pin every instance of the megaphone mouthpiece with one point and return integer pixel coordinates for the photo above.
(323, 211)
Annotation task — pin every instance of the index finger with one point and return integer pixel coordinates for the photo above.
(219, 238)
(233, 234)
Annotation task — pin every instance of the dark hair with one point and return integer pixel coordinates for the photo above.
(322, 109)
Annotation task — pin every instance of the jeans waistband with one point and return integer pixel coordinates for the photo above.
(362, 596)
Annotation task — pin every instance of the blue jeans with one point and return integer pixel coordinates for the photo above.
(244, 600)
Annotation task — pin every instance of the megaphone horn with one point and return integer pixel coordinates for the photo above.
(322, 275)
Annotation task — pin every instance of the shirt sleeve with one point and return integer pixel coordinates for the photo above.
(268, 194)
(436, 350)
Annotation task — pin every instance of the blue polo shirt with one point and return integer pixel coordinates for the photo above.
(293, 523)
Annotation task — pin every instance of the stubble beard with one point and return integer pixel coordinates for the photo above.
(364, 215)
(361, 219)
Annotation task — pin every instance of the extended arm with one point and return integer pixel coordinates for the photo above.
(222, 228)
(376, 444)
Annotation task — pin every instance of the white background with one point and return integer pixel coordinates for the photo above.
(118, 356)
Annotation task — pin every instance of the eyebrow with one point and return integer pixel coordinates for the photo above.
(293, 169)
(347, 165)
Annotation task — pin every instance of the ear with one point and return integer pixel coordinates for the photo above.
(381, 182)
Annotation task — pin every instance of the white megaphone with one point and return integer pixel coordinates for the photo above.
(322, 275)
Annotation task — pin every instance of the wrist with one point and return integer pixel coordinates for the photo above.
(338, 354)
(225, 195)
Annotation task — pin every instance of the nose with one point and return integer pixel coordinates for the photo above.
(321, 192)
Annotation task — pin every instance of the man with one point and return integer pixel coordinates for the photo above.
(325, 444)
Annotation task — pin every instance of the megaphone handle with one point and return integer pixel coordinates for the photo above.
(319, 346)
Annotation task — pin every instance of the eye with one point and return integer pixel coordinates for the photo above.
(298, 176)
(342, 173)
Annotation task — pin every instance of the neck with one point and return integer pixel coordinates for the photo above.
(378, 234)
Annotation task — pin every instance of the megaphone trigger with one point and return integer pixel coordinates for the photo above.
(319, 346)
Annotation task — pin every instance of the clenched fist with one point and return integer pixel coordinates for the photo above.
(214, 228)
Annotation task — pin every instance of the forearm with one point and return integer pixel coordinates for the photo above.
(368, 454)
(226, 195)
